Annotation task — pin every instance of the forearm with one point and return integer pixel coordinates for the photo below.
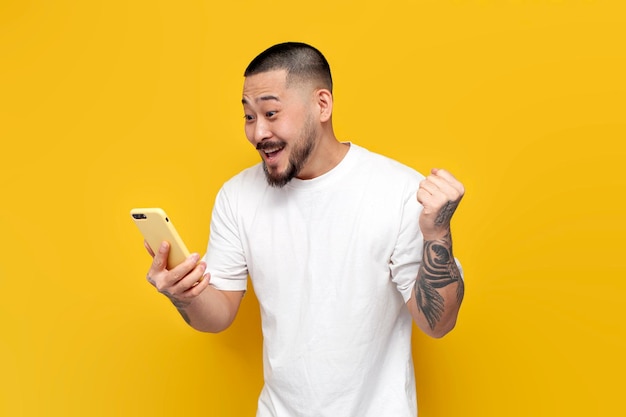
(439, 289)
(211, 311)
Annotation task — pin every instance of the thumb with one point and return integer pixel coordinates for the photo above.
(160, 259)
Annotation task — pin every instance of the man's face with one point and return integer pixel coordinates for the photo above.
(279, 123)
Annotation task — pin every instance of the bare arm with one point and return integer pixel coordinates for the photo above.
(439, 289)
(187, 286)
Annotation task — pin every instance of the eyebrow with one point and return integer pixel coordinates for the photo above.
(262, 98)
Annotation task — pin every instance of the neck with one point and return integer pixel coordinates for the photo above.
(328, 153)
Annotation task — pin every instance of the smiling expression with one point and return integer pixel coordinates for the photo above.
(279, 123)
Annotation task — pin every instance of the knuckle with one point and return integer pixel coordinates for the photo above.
(158, 263)
(196, 289)
(161, 286)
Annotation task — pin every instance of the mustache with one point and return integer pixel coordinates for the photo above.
(269, 145)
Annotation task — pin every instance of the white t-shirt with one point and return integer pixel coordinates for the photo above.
(332, 261)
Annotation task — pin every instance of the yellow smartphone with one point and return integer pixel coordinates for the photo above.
(156, 226)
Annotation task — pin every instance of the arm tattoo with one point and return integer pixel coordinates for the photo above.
(438, 270)
(446, 212)
(184, 315)
(180, 306)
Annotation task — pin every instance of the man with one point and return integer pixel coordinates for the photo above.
(344, 248)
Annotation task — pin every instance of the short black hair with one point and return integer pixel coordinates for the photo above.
(302, 62)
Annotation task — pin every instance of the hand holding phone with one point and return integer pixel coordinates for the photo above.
(156, 227)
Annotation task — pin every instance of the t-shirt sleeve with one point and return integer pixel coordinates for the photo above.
(407, 254)
(225, 258)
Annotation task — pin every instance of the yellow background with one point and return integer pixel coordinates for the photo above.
(108, 105)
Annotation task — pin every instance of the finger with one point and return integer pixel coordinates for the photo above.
(427, 192)
(422, 195)
(429, 187)
(182, 269)
(435, 190)
(194, 278)
(441, 185)
(151, 280)
(442, 173)
(449, 178)
(159, 262)
(198, 286)
(148, 248)
(431, 202)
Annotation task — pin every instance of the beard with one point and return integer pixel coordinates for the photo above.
(300, 154)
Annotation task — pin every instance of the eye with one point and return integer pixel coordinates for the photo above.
(248, 118)
(270, 114)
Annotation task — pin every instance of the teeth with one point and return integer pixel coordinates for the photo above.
(268, 151)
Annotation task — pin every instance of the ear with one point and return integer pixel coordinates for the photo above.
(325, 103)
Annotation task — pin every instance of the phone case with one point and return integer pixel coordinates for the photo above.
(156, 227)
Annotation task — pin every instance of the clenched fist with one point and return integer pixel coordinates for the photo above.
(440, 194)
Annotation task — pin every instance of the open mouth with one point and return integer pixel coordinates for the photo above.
(271, 152)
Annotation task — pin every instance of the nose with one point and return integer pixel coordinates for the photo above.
(259, 131)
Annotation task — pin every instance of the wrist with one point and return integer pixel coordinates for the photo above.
(442, 235)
